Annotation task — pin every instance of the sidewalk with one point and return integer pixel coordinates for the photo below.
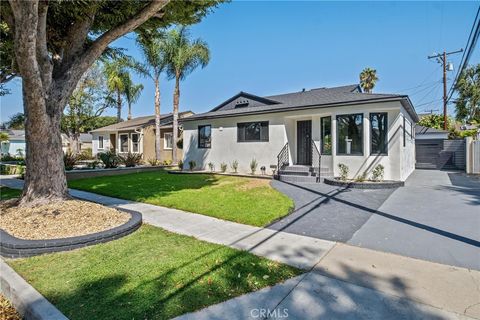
(342, 282)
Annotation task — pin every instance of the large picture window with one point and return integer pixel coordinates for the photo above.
(252, 131)
(135, 142)
(379, 133)
(326, 134)
(205, 136)
(350, 134)
(124, 143)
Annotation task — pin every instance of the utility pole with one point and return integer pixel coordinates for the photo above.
(442, 58)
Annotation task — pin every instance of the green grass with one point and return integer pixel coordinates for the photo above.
(243, 200)
(7, 193)
(150, 274)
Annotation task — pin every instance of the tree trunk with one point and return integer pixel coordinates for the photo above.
(129, 111)
(157, 119)
(119, 106)
(176, 99)
(75, 143)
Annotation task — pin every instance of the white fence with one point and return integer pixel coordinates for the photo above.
(473, 155)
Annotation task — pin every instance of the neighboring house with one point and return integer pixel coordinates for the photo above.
(425, 133)
(345, 125)
(85, 142)
(16, 143)
(137, 136)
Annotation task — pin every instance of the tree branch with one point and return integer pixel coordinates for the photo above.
(43, 57)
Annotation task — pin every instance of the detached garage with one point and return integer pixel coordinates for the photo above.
(433, 150)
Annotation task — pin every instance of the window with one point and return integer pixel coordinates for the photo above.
(252, 131)
(167, 140)
(135, 142)
(326, 134)
(100, 142)
(350, 134)
(124, 143)
(205, 136)
(379, 133)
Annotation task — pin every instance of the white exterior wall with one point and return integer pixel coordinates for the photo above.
(407, 149)
(399, 162)
(106, 142)
(15, 145)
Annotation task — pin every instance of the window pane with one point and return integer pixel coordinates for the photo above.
(204, 136)
(350, 134)
(100, 142)
(168, 140)
(123, 143)
(379, 133)
(252, 131)
(326, 132)
(135, 144)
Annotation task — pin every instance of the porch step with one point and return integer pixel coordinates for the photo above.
(297, 168)
(304, 179)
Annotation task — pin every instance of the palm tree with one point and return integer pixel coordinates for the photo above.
(152, 46)
(368, 79)
(183, 56)
(132, 93)
(118, 77)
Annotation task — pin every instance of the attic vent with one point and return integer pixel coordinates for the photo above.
(241, 103)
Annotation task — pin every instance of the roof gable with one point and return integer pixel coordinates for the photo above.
(244, 99)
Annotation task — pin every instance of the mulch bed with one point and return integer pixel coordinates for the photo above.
(7, 311)
(63, 219)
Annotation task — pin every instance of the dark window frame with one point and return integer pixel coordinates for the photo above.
(362, 139)
(371, 135)
(322, 151)
(202, 144)
(244, 124)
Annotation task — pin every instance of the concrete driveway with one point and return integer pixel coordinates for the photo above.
(435, 217)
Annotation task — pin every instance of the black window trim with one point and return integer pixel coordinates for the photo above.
(363, 135)
(371, 130)
(322, 152)
(198, 131)
(249, 122)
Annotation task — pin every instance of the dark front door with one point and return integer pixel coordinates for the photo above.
(304, 150)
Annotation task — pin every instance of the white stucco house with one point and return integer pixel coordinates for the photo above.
(315, 129)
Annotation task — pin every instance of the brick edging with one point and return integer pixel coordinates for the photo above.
(13, 247)
(364, 185)
(27, 301)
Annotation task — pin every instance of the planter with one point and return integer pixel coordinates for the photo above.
(385, 184)
(13, 247)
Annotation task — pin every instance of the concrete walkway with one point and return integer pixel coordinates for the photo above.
(341, 282)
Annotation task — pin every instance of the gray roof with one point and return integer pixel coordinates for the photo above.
(425, 130)
(141, 122)
(246, 103)
(15, 134)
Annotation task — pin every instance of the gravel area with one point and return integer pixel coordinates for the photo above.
(7, 311)
(59, 220)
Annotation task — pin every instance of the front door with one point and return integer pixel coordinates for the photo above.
(304, 142)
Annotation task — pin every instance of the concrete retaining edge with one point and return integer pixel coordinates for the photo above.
(13, 247)
(364, 185)
(29, 302)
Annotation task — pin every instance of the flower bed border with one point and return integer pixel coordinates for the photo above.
(12, 247)
(387, 184)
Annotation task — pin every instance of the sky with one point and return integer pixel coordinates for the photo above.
(273, 47)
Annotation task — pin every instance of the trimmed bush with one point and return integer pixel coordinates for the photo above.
(110, 159)
(131, 159)
(343, 171)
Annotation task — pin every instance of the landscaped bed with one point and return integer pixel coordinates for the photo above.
(244, 200)
(7, 311)
(151, 274)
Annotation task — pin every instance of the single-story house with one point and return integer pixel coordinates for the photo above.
(138, 136)
(317, 128)
(15, 146)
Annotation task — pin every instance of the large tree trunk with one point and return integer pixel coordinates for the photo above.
(119, 106)
(176, 100)
(75, 142)
(157, 119)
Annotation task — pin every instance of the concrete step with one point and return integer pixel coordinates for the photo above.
(290, 178)
(297, 168)
(294, 173)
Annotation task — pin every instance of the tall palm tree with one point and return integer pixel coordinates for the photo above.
(152, 46)
(368, 79)
(118, 77)
(132, 93)
(184, 55)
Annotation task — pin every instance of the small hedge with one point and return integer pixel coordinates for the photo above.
(7, 169)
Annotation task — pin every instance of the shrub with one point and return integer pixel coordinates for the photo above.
(253, 165)
(378, 172)
(69, 160)
(234, 166)
(12, 169)
(8, 157)
(94, 164)
(192, 164)
(153, 162)
(343, 171)
(211, 166)
(109, 159)
(131, 159)
(223, 167)
(362, 177)
(167, 162)
(180, 164)
(85, 155)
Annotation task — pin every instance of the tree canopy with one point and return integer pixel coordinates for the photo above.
(468, 101)
(16, 121)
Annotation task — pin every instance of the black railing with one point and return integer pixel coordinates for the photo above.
(316, 159)
(282, 158)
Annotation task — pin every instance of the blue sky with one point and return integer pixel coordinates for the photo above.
(272, 47)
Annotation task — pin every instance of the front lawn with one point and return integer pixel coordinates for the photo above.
(7, 193)
(150, 274)
(244, 200)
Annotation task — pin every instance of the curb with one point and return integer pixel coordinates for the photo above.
(13, 247)
(29, 302)
(364, 185)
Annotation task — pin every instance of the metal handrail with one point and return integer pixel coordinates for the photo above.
(282, 158)
(316, 153)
